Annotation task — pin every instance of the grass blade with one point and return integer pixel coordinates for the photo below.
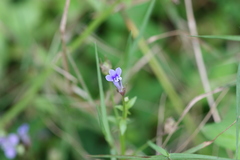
(237, 110)
(227, 37)
(158, 149)
(102, 112)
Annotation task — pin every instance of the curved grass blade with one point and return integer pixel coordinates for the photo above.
(158, 149)
(226, 37)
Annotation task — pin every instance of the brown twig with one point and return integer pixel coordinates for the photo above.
(165, 35)
(204, 121)
(160, 120)
(189, 106)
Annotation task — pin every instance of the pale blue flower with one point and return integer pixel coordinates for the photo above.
(115, 77)
(9, 144)
(23, 134)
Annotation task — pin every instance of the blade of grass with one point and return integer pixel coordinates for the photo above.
(198, 147)
(173, 156)
(237, 110)
(161, 157)
(158, 149)
(103, 110)
(226, 37)
(194, 156)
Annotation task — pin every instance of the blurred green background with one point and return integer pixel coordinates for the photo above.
(63, 122)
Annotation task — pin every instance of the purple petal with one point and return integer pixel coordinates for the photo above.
(13, 139)
(2, 139)
(119, 71)
(109, 78)
(112, 72)
(10, 153)
(23, 129)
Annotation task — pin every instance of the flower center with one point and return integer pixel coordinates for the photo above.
(117, 79)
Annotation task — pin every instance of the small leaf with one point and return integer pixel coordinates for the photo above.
(112, 119)
(158, 148)
(120, 107)
(131, 102)
(123, 126)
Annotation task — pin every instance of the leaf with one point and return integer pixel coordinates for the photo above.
(102, 112)
(158, 148)
(123, 126)
(173, 156)
(120, 107)
(226, 37)
(182, 156)
(228, 137)
(131, 102)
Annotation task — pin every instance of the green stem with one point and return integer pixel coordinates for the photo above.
(122, 136)
(124, 112)
(122, 142)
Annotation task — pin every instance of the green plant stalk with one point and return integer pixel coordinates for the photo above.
(122, 143)
(113, 104)
(122, 136)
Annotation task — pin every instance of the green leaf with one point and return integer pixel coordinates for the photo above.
(173, 156)
(228, 137)
(120, 107)
(102, 111)
(182, 156)
(158, 148)
(226, 37)
(131, 102)
(123, 126)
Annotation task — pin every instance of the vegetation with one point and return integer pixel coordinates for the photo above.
(179, 60)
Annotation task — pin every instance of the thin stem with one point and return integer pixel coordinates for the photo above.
(124, 113)
(122, 136)
(122, 142)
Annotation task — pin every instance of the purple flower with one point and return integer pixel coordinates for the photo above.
(115, 77)
(9, 144)
(23, 134)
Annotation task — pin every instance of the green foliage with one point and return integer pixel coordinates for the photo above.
(73, 113)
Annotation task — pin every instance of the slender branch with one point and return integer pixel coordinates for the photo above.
(204, 121)
(189, 106)
(199, 58)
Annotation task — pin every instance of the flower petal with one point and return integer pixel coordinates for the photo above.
(13, 139)
(112, 72)
(109, 78)
(119, 71)
(23, 129)
(10, 152)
